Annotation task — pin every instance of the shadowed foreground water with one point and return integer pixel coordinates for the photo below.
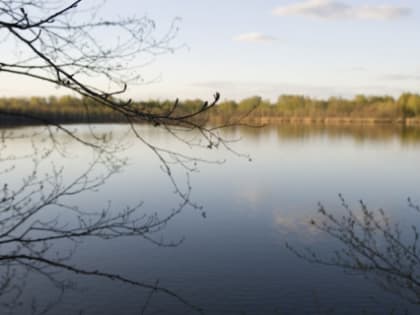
(234, 260)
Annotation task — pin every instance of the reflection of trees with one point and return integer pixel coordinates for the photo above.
(373, 246)
(40, 227)
(360, 133)
(407, 135)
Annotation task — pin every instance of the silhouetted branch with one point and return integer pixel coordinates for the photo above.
(373, 246)
(60, 43)
(57, 44)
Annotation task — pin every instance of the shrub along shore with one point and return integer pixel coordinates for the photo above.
(287, 109)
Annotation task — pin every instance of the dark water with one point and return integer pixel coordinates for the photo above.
(233, 261)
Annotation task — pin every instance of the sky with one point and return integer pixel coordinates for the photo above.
(240, 48)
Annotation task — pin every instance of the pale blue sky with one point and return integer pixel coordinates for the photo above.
(245, 47)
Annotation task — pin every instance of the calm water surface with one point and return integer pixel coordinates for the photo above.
(235, 261)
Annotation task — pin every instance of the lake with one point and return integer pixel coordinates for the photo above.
(232, 256)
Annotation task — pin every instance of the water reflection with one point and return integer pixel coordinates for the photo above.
(358, 133)
(43, 219)
(56, 241)
(291, 225)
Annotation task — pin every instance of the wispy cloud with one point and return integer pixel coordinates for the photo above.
(400, 77)
(330, 9)
(254, 37)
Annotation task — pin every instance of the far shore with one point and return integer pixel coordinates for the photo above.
(288, 109)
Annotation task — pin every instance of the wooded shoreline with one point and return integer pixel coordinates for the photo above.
(288, 109)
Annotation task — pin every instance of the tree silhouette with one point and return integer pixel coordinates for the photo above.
(62, 43)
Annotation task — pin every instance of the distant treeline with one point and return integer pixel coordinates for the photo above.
(294, 108)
